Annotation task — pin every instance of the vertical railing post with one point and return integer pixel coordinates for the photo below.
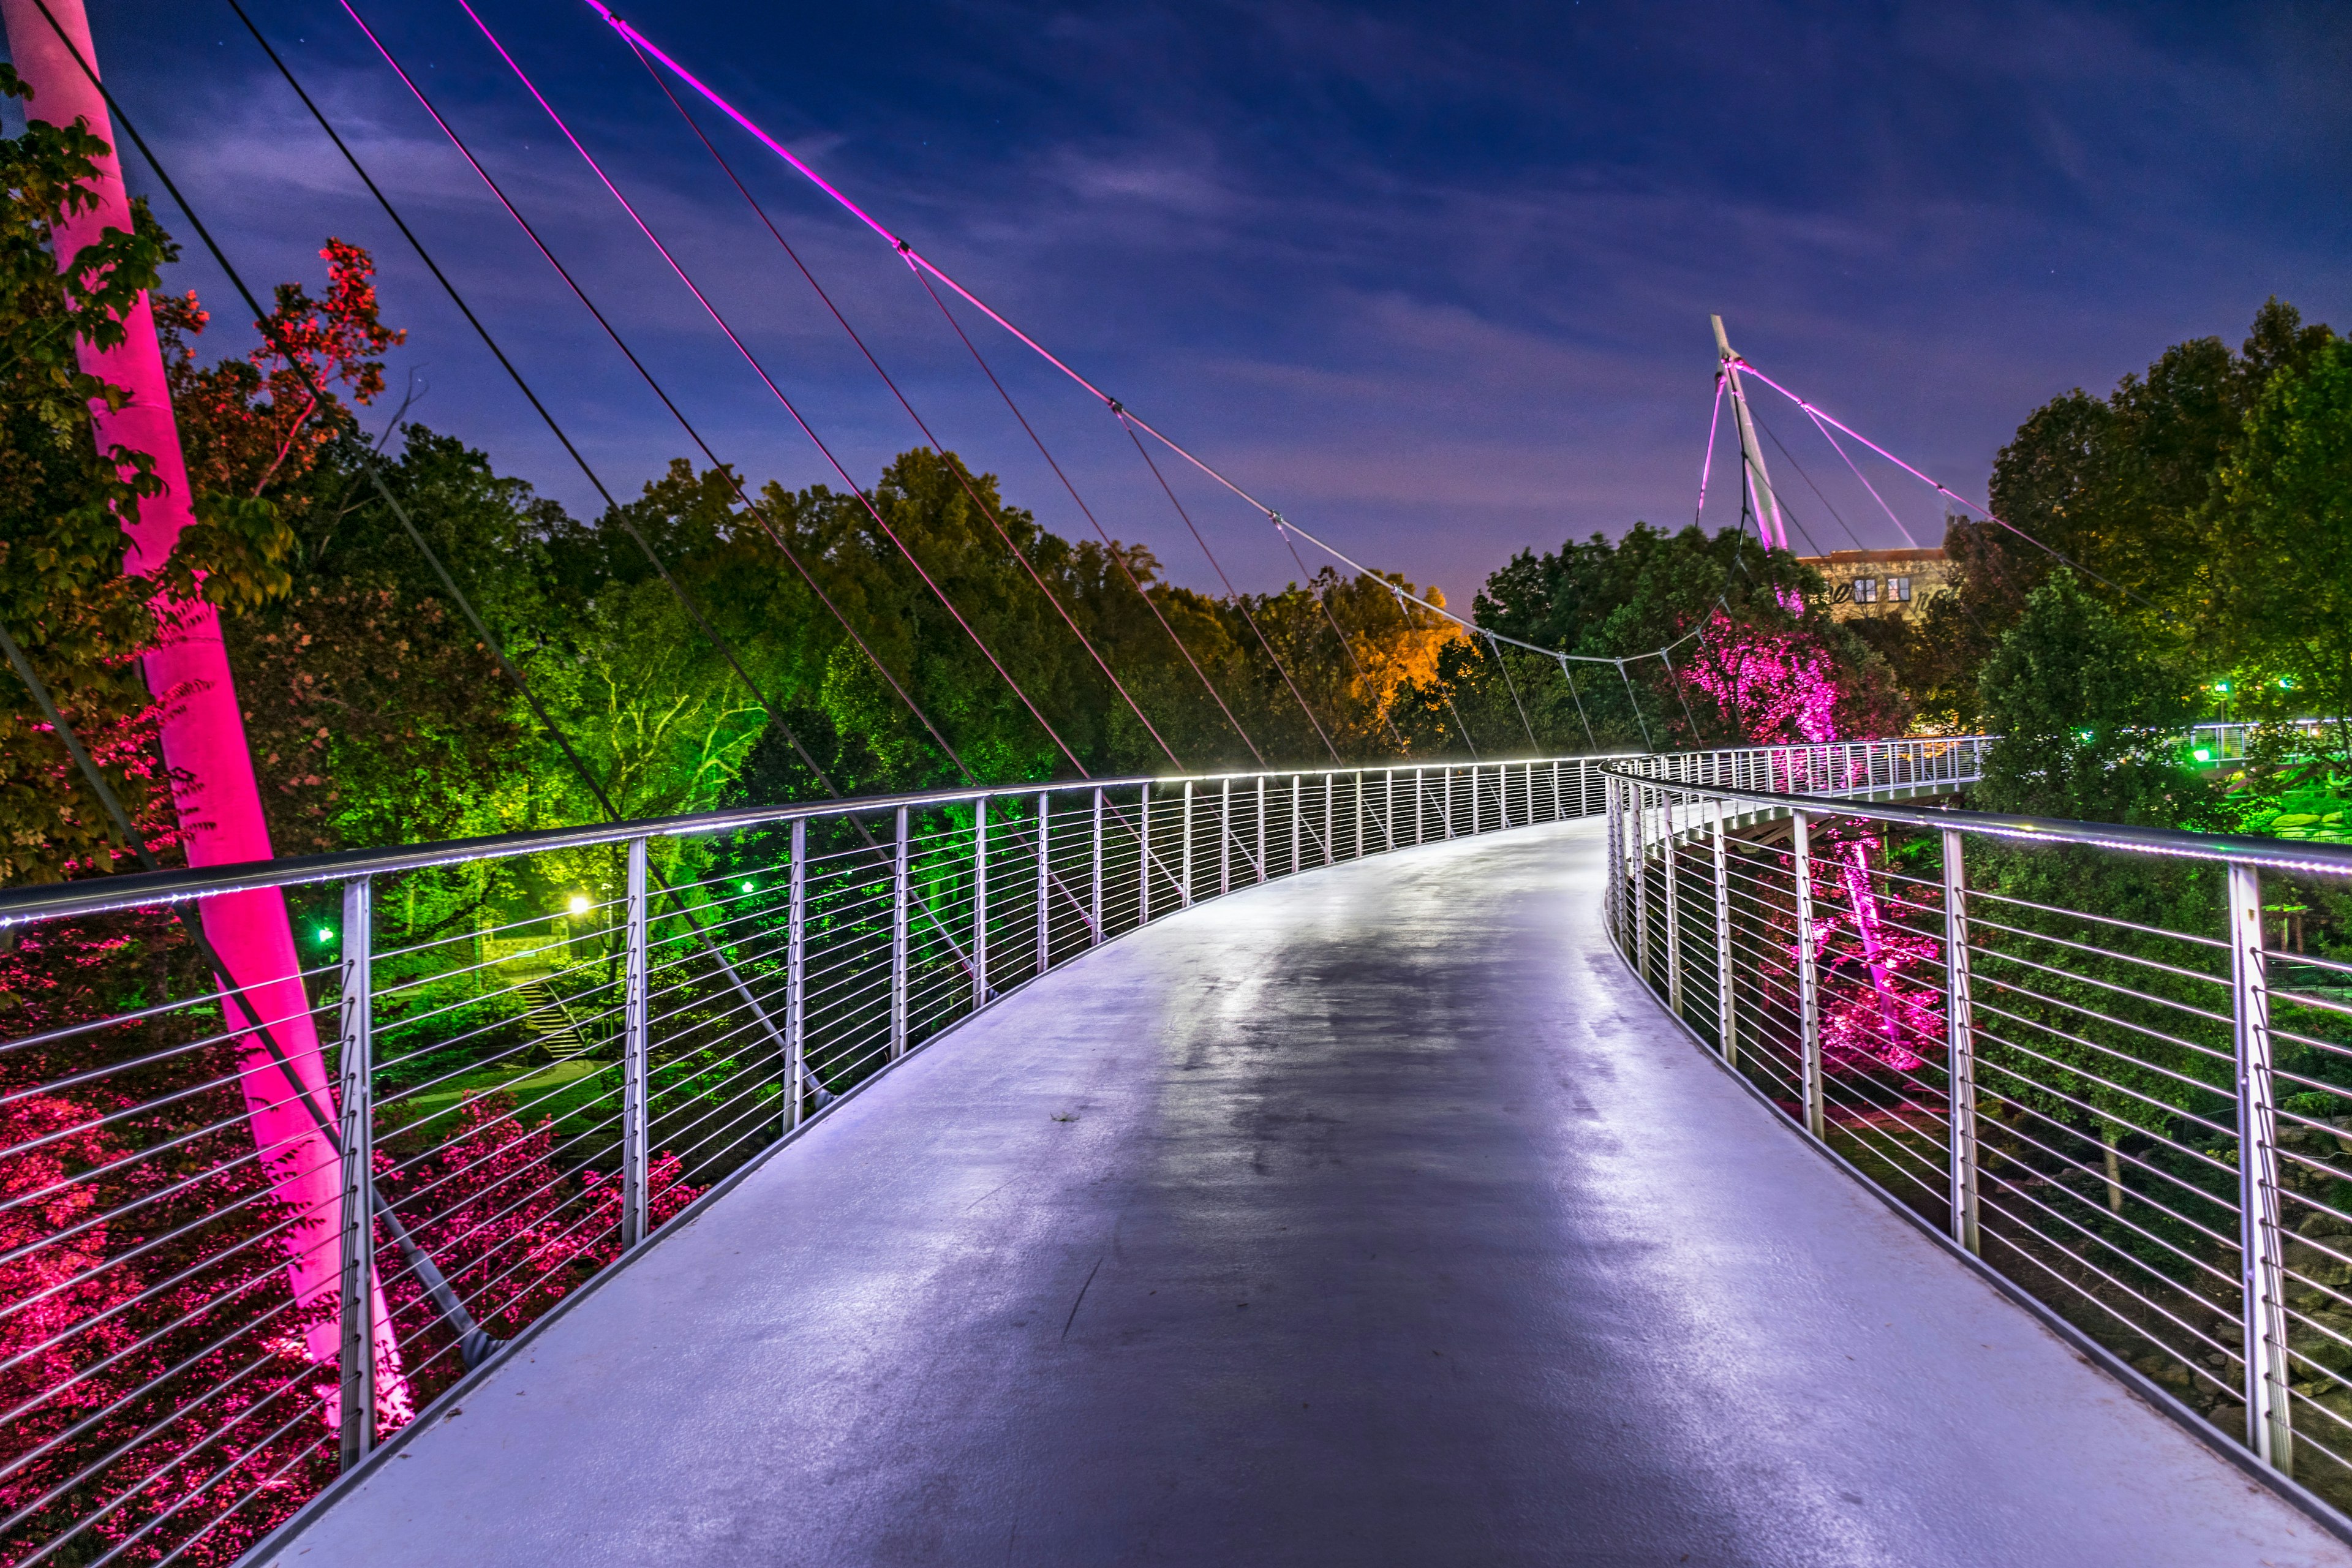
(1095, 895)
(980, 903)
(1330, 824)
(1144, 861)
(898, 888)
(1261, 827)
(2269, 1414)
(1185, 890)
(1225, 839)
(1809, 1003)
(356, 1298)
(1474, 800)
(1961, 1044)
(1388, 811)
(1297, 815)
(1449, 803)
(633, 1206)
(1642, 881)
(1358, 791)
(1670, 863)
(796, 978)
(1614, 854)
(1726, 1013)
(1044, 880)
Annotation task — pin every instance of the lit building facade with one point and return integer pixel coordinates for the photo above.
(1896, 583)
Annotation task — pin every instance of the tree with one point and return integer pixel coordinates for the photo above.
(2282, 536)
(2091, 718)
(63, 506)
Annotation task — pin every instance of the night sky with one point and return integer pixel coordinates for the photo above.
(1433, 279)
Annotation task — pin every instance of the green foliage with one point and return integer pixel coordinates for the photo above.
(2091, 718)
(63, 506)
(1639, 594)
(2283, 546)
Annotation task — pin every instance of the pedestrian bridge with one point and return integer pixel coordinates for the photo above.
(1404, 1206)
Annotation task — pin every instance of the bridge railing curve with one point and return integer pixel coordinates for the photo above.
(2114, 1063)
(247, 1231)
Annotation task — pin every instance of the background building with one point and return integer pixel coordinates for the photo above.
(1881, 582)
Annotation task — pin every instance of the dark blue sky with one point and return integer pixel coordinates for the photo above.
(1433, 279)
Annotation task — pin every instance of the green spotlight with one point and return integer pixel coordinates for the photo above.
(326, 934)
(747, 887)
(2204, 755)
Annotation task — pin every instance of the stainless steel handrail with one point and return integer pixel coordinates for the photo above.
(2113, 1077)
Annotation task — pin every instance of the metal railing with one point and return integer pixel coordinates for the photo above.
(240, 1243)
(2217, 741)
(2114, 1063)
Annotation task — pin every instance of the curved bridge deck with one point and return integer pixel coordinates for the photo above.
(1373, 1216)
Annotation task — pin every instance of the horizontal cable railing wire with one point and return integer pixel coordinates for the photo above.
(2114, 1063)
(219, 1287)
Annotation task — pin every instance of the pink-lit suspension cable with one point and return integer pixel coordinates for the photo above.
(1857, 473)
(1943, 489)
(1111, 547)
(752, 360)
(962, 476)
(916, 258)
(498, 192)
(1707, 465)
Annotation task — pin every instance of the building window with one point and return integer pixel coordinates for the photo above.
(1899, 589)
(1866, 590)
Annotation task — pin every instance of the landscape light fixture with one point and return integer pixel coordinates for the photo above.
(579, 903)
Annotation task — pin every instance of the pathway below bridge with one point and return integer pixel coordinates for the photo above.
(1372, 1216)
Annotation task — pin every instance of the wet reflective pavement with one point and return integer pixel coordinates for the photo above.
(1372, 1216)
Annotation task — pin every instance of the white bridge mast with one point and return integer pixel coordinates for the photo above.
(1767, 504)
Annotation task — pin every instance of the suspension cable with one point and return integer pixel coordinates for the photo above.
(677, 589)
(686, 601)
(735, 481)
(1111, 547)
(1944, 489)
(1230, 592)
(1345, 646)
(790, 408)
(962, 476)
(1494, 648)
(916, 258)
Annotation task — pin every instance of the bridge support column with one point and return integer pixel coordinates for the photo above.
(796, 978)
(633, 1052)
(1808, 1001)
(2261, 1244)
(1960, 1046)
(898, 890)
